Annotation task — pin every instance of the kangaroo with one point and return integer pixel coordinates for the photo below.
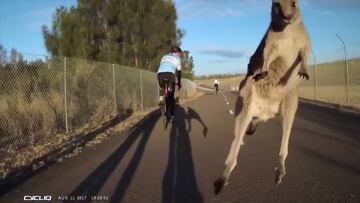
(270, 86)
(286, 25)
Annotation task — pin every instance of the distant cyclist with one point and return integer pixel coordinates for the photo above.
(216, 85)
(170, 65)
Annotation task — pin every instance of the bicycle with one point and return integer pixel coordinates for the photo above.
(164, 105)
(216, 88)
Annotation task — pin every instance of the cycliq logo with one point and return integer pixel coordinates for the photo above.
(37, 198)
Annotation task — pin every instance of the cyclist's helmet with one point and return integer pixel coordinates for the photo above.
(175, 49)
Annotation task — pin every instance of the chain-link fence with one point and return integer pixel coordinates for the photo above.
(57, 95)
(333, 77)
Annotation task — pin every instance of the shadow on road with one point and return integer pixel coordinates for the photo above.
(341, 164)
(179, 182)
(79, 140)
(344, 124)
(328, 136)
(192, 114)
(95, 181)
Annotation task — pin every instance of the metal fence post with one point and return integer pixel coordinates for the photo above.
(141, 91)
(347, 72)
(347, 78)
(114, 84)
(65, 98)
(315, 76)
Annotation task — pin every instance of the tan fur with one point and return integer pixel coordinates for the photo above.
(281, 36)
(285, 51)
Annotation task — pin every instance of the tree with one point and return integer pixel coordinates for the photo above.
(15, 56)
(129, 32)
(3, 55)
(187, 64)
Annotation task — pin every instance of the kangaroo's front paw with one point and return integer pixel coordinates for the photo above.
(260, 76)
(303, 75)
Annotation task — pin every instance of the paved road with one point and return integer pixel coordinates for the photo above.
(150, 164)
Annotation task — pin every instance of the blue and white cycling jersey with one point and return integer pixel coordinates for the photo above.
(170, 63)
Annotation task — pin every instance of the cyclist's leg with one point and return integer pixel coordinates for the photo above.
(161, 77)
(171, 103)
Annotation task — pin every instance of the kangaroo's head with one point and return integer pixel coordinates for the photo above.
(284, 12)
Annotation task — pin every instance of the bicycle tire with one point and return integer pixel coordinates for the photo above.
(165, 109)
(164, 116)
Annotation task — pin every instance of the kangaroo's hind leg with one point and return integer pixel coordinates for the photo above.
(241, 122)
(288, 110)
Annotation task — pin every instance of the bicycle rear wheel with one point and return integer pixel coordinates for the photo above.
(165, 117)
(165, 109)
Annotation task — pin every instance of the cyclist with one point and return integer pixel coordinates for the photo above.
(216, 85)
(170, 65)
